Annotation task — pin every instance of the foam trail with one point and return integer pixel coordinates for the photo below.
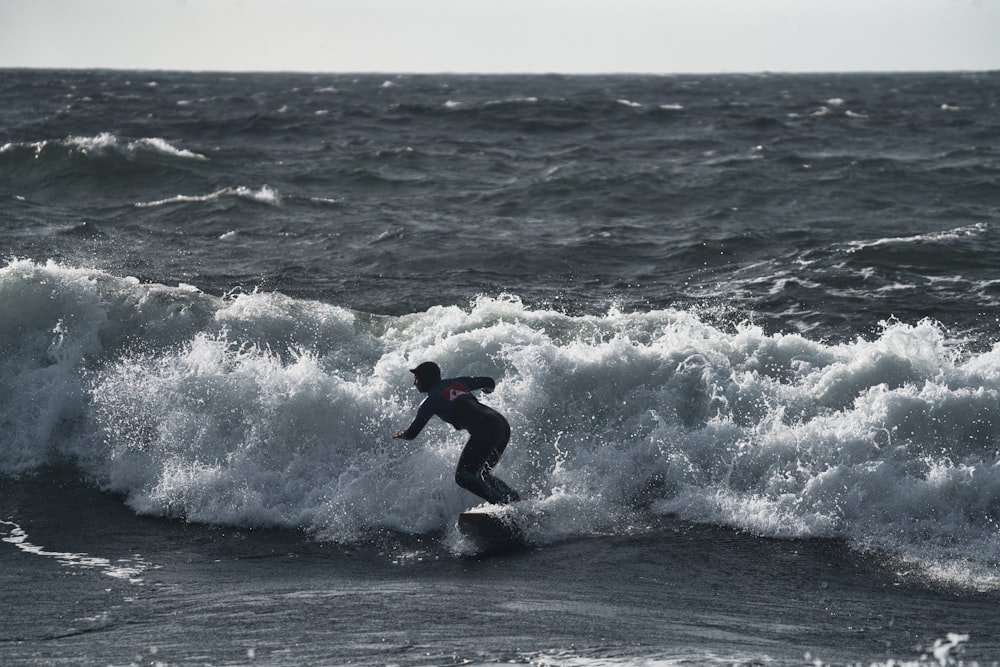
(263, 410)
(130, 570)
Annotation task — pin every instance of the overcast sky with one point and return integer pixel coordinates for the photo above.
(569, 36)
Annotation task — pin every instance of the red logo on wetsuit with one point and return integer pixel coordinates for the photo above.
(454, 390)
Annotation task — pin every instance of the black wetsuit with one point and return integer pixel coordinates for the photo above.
(489, 432)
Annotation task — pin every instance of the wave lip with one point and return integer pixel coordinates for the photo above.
(107, 141)
(102, 143)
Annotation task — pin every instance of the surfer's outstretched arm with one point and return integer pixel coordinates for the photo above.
(424, 414)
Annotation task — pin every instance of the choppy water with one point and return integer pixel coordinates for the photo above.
(759, 303)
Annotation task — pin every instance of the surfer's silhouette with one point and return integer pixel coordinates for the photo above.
(451, 399)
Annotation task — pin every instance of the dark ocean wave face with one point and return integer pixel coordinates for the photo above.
(774, 297)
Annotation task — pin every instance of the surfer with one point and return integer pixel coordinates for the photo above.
(452, 400)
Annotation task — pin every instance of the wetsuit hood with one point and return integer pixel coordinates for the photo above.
(428, 373)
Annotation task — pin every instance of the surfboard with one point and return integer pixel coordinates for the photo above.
(490, 532)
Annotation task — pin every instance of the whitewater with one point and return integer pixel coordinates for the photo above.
(257, 410)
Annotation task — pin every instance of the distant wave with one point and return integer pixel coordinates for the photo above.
(101, 143)
(959, 233)
(457, 104)
(265, 195)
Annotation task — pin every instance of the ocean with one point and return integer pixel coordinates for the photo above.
(745, 329)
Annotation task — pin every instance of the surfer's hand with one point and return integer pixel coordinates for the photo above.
(399, 433)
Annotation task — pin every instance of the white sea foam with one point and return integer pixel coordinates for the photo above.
(259, 409)
(264, 195)
(963, 232)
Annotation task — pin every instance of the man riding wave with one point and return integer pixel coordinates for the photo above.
(452, 400)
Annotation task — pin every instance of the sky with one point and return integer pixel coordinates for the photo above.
(503, 36)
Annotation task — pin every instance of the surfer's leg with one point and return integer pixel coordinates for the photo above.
(500, 436)
(500, 487)
(478, 457)
(469, 474)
